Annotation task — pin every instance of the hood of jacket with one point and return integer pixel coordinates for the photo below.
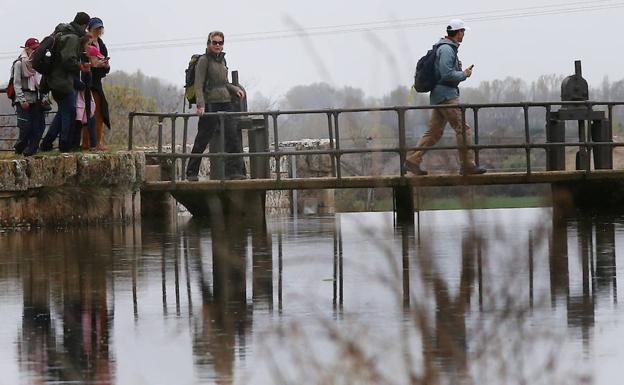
(72, 27)
(444, 40)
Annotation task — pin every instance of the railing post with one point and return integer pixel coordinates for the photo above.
(527, 138)
(330, 129)
(463, 152)
(555, 133)
(130, 130)
(184, 140)
(475, 112)
(160, 134)
(173, 134)
(276, 147)
(402, 140)
(338, 152)
(174, 163)
(222, 144)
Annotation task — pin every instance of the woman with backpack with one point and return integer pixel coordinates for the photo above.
(30, 103)
(214, 93)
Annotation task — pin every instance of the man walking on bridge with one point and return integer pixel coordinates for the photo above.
(448, 71)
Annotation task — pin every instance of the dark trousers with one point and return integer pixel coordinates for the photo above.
(206, 128)
(63, 124)
(31, 124)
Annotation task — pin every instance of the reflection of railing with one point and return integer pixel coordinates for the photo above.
(267, 121)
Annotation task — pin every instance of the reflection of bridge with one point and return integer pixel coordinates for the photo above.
(594, 172)
(223, 288)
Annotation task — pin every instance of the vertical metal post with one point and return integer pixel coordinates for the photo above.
(463, 152)
(555, 133)
(402, 140)
(330, 129)
(222, 143)
(173, 134)
(475, 112)
(174, 171)
(276, 147)
(295, 195)
(338, 152)
(130, 130)
(527, 138)
(610, 115)
(160, 133)
(184, 142)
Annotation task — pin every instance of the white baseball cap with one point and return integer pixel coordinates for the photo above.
(456, 25)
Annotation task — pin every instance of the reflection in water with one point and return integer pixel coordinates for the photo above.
(66, 339)
(459, 293)
(225, 319)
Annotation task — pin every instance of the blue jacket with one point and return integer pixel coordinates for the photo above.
(448, 67)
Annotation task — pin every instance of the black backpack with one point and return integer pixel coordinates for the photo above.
(425, 77)
(42, 58)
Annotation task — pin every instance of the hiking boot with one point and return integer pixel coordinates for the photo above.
(414, 168)
(472, 170)
(192, 178)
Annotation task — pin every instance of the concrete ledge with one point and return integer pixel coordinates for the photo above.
(71, 189)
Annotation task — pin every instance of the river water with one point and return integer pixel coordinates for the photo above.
(483, 296)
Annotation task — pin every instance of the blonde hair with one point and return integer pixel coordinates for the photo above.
(215, 33)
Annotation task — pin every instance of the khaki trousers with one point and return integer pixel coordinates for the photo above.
(99, 125)
(439, 118)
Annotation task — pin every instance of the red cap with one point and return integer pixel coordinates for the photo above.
(31, 43)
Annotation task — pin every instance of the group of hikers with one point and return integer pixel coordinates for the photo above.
(81, 61)
(77, 60)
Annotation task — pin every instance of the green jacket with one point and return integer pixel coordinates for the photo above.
(66, 58)
(211, 80)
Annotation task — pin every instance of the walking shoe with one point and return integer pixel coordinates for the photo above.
(414, 168)
(472, 170)
(236, 177)
(192, 178)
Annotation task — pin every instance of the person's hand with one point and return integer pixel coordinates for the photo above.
(200, 111)
(240, 94)
(468, 71)
(103, 63)
(24, 105)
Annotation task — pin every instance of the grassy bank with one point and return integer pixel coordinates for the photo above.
(477, 202)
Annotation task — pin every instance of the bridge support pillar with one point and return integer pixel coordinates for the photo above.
(587, 196)
(404, 204)
(158, 205)
(246, 205)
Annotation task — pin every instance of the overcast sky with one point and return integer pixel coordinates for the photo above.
(369, 44)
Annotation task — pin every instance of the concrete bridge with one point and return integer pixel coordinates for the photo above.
(593, 182)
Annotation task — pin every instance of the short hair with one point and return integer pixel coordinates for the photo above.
(82, 18)
(215, 33)
(451, 33)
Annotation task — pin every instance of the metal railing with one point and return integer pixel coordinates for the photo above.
(271, 124)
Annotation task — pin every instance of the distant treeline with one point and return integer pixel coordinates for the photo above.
(138, 92)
